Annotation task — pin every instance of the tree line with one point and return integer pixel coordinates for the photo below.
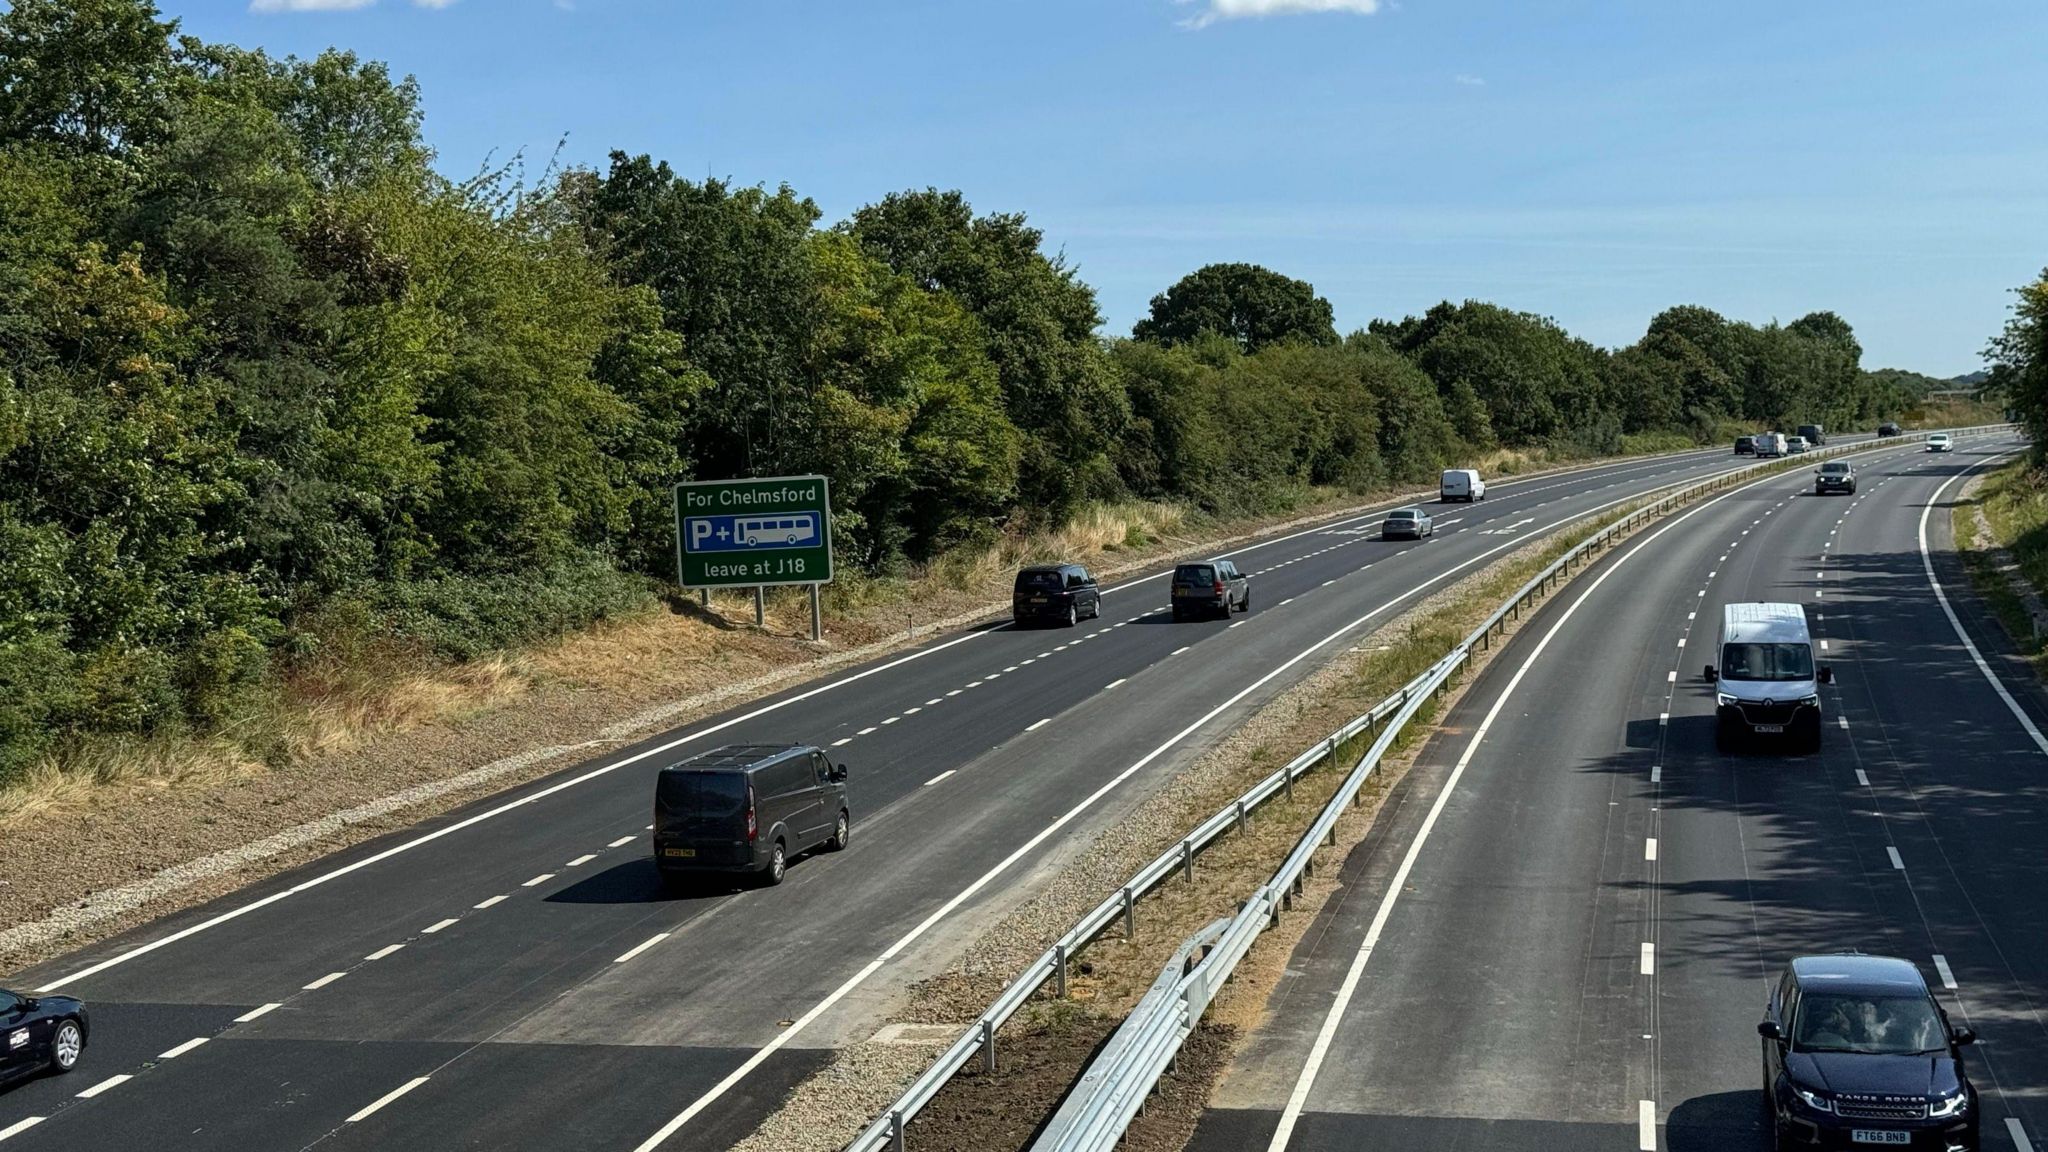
(271, 384)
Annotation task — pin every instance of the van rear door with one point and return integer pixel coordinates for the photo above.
(701, 818)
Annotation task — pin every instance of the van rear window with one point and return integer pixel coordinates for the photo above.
(1766, 662)
(1195, 574)
(1038, 580)
(702, 795)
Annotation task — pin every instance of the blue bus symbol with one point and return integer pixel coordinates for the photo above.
(746, 533)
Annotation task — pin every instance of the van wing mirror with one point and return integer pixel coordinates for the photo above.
(1963, 1036)
(839, 773)
(1826, 675)
(1710, 674)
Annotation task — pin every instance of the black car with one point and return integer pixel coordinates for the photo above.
(1888, 429)
(748, 808)
(1857, 1054)
(38, 1032)
(1210, 588)
(1745, 445)
(1061, 593)
(1834, 476)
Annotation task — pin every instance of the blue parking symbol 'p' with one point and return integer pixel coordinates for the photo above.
(751, 533)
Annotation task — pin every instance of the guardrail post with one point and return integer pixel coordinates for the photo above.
(1187, 859)
(1130, 915)
(1287, 775)
(1059, 970)
(1240, 817)
(988, 1046)
(896, 1129)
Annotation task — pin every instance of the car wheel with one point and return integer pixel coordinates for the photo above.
(778, 863)
(67, 1046)
(1247, 605)
(1073, 617)
(842, 832)
(1095, 611)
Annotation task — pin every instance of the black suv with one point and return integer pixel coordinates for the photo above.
(1062, 593)
(1887, 429)
(1858, 1054)
(748, 808)
(1212, 587)
(1745, 445)
(1834, 476)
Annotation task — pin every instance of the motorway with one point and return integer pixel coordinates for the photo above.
(1560, 933)
(512, 976)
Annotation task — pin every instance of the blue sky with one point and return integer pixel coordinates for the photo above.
(1591, 160)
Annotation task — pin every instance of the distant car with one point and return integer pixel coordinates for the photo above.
(1055, 593)
(1796, 444)
(41, 1032)
(1814, 434)
(1887, 429)
(1940, 442)
(1858, 1054)
(1407, 524)
(1834, 476)
(1209, 588)
(1461, 484)
(748, 808)
(1745, 445)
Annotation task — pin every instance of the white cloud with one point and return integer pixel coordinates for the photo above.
(307, 5)
(1214, 10)
(432, 3)
(1469, 80)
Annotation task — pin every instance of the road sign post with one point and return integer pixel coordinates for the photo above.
(759, 533)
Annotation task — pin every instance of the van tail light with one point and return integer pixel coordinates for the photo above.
(753, 827)
(1219, 587)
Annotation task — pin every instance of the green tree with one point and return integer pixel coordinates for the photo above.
(1254, 306)
(2019, 362)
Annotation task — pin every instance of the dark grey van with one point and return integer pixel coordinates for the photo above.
(748, 808)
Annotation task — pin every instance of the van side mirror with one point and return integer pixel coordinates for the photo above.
(1711, 675)
(839, 774)
(1769, 1030)
(1963, 1036)
(1826, 675)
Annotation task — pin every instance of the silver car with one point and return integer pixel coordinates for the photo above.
(1407, 524)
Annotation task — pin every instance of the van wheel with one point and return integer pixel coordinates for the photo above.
(842, 832)
(778, 861)
(1095, 612)
(66, 1046)
(1073, 616)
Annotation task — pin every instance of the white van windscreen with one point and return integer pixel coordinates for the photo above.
(1766, 662)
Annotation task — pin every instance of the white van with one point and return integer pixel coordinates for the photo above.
(1767, 683)
(1461, 484)
(1771, 444)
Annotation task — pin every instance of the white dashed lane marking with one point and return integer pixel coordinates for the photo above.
(181, 1049)
(500, 899)
(254, 1013)
(540, 879)
(386, 950)
(20, 1126)
(1894, 854)
(1948, 976)
(580, 861)
(322, 982)
(102, 1086)
(387, 1098)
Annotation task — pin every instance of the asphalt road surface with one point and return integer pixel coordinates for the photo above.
(1561, 933)
(513, 976)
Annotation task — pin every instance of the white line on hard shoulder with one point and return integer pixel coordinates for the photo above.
(386, 950)
(1948, 976)
(324, 981)
(643, 946)
(387, 1098)
(1114, 683)
(1894, 854)
(181, 1049)
(940, 776)
(20, 1126)
(253, 1013)
(1235, 624)
(123, 1078)
(1285, 602)
(499, 899)
(1650, 848)
(1181, 649)
(1039, 724)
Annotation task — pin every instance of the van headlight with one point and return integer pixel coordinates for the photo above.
(1812, 701)
(1724, 700)
(1948, 1106)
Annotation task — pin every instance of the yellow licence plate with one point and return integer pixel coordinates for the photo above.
(683, 852)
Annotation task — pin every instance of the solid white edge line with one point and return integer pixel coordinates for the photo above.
(1114, 683)
(1948, 976)
(253, 1013)
(2012, 1129)
(940, 776)
(1040, 724)
(181, 1049)
(1646, 1125)
(1969, 645)
(20, 1126)
(387, 1098)
(603, 770)
(1320, 1050)
(643, 946)
(102, 1086)
(968, 893)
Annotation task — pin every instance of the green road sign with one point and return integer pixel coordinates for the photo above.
(751, 533)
